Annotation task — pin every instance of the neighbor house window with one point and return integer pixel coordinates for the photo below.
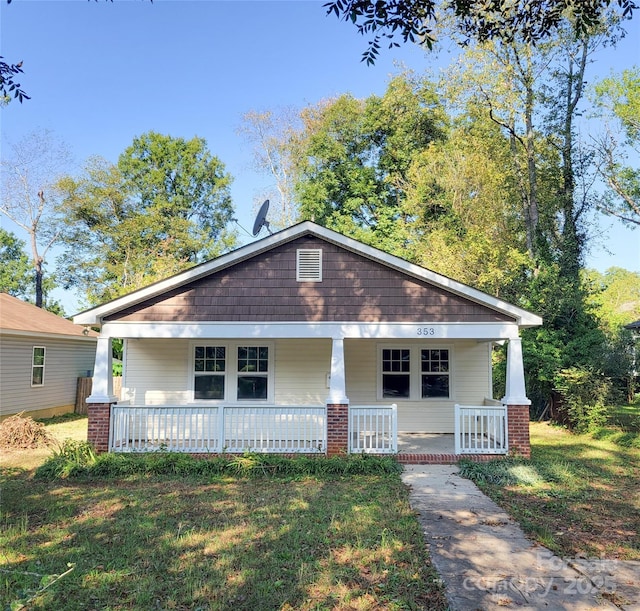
(232, 372)
(414, 373)
(37, 366)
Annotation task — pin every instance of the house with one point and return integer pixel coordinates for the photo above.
(307, 341)
(41, 358)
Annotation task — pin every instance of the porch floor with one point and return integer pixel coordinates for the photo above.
(426, 443)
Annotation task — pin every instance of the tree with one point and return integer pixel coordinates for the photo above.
(271, 133)
(15, 269)
(354, 159)
(162, 208)
(29, 175)
(529, 21)
(617, 99)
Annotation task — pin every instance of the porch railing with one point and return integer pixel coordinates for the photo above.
(202, 429)
(373, 429)
(481, 429)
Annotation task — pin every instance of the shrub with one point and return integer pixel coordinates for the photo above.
(584, 394)
(71, 459)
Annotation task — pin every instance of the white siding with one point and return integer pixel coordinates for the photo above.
(65, 362)
(156, 371)
(470, 383)
(302, 367)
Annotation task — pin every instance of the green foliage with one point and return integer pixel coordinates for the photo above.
(164, 207)
(354, 159)
(73, 458)
(78, 459)
(584, 393)
(16, 273)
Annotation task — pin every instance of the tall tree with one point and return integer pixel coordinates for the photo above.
(29, 195)
(617, 99)
(162, 208)
(270, 133)
(354, 158)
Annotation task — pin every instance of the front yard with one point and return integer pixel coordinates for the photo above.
(142, 541)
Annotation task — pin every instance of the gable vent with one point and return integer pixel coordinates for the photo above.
(309, 265)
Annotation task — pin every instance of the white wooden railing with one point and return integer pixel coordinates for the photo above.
(481, 429)
(373, 429)
(203, 429)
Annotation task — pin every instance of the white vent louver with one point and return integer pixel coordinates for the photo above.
(309, 265)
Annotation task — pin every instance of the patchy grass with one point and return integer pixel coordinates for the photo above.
(578, 495)
(626, 417)
(209, 542)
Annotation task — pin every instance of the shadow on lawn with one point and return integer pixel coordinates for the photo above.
(244, 544)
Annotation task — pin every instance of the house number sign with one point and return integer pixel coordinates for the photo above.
(425, 331)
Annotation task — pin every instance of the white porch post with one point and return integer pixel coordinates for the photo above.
(102, 390)
(337, 381)
(515, 388)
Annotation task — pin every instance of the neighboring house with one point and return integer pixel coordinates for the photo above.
(41, 358)
(307, 341)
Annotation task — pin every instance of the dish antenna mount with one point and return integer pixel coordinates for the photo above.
(261, 219)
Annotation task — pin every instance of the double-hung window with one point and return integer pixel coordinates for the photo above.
(37, 365)
(232, 372)
(414, 373)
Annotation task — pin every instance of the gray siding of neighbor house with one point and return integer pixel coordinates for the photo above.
(65, 362)
(353, 289)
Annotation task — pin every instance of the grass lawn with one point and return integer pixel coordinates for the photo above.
(152, 542)
(579, 495)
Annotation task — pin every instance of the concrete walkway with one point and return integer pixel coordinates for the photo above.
(486, 563)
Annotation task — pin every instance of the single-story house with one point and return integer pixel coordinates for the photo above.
(307, 341)
(41, 358)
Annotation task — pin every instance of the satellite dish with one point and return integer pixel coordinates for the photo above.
(261, 219)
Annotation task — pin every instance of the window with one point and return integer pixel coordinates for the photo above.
(414, 373)
(37, 366)
(435, 373)
(231, 372)
(253, 368)
(396, 373)
(210, 366)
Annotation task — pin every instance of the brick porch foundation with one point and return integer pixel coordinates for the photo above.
(337, 428)
(98, 426)
(519, 440)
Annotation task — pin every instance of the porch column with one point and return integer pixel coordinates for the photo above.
(101, 397)
(516, 401)
(337, 403)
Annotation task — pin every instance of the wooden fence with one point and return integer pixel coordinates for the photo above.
(83, 390)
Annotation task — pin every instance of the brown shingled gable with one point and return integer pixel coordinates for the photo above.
(354, 288)
(17, 315)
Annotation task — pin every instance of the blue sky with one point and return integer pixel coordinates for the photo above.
(101, 73)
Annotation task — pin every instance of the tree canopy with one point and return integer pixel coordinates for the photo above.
(162, 208)
(417, 20)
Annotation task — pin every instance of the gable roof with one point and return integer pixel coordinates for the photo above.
(21, 318)
(98, 314)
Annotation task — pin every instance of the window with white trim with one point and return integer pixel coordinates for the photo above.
(414, 373)
(37, 365)
(232, 372)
